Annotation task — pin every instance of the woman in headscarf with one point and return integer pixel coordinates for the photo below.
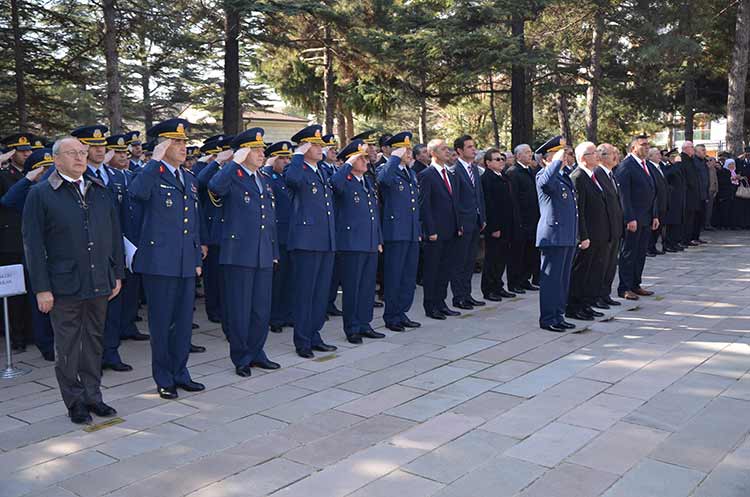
(728, 181)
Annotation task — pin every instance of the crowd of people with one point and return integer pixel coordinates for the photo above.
(103, 224)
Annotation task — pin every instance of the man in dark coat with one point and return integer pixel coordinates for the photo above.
(674, 219)
(74, 252)
(662, 199)
(692, 194)
(608, 158)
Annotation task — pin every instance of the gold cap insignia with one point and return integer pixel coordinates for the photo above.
(180, 128)
(23, 141)
(97, 133)
(284, 147)
(121, 141)
(407, 140)
(47, 157)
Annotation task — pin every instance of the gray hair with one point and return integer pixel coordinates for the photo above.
(59, 142)
(581, 149)
(520, 147)
(434, 144)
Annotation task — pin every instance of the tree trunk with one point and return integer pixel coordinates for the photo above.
(329, 92)
(563, 117)
(592, 92)
(738, 80)
(519, 128)
(349, 116)
(341, 126)
(231, 111)
(423, 138)
(145, 72)
(493, 113)
(114, 107)
(20, 69)
(689, 105)
(529, 103)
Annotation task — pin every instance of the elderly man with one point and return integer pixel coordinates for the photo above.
(713, 190)
(73, 244)
(608, 159)
(638, 194)
(662, 199)
(701, 169)
(692, 194)
(525, 254)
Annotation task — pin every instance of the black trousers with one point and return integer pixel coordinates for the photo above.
(688, 226)
(699, 221)
(464, 259)
(19, 310)
(527, 256)
(611, 254)
(673, 235)
(79, 326)
(655, 234)
(438, 261)
(589, 267)
(633, 258)
(496, 260)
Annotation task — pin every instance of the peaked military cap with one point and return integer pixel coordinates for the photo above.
(118, 143)
(175, 129)
(399, 140)
(367, 137)
(39, 158)
(211, 145)
(193, 151)
(355, 148)
(225, 142)
(18, 141)
(279, 149)
(383, 140)
(133, 138)
(552, 145)
(91, 135)
(251, 138)
(310, 134)
(39, 142)
(329, 140)
(149, 146)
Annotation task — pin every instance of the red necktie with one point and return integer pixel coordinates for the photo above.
(645, 169)
(447, 183)
(596, 181)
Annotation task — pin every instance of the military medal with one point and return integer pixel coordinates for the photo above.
(168, 202)
(564, 194)
(400, 187)
(314, 189)
(247, 198)
(356, 198)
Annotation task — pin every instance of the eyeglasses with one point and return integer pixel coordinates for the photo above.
(76, 153)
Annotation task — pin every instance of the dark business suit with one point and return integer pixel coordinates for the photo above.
(471, 215)
(674, 219)
(525, 252)
(73, 246)
(439, 217)
(662, 199)
(616, 226)
(638, 194)
(589, 266)
(503, 215)
(692, 197)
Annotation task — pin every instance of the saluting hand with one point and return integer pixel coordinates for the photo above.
(206, 158)
(432, 238)
(108, 156)
(225, 155)
(116, 289)
(7, 155)
(240, 155)
(399, 152)
(45, 301)
(35, 174)
(302, 149)
(559, 155)
(161, 149)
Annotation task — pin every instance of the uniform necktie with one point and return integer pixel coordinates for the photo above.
(99, 175)
(447, 183)
(645, 169)
(362, 182)
(177, 177)
(256, 180)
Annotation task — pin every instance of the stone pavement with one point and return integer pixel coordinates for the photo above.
(653, 402)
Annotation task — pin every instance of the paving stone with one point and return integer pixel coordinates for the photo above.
(570, 480)
(620, 448)
(731, 477)
(506, 371)
(396, 374)
(512, 348)
(506, 473)
(462, 349)
(311, 404)
(464, 454)
(257, 481)
(434, 403)
(601, 411)
(436, 432)
(731, 362)
(146, 440)
(330, 379)
(380, 401)
(319, 426)
(399, 482)
(437, 378)
(274, 379)
(552, 444)
(556, 349)
(487, 405)
(551, 374)
(654, 478)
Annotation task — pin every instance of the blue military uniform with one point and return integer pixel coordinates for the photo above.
(248, 252)
(312, 243)
(399, 190)
(330, 169)
(556, 237)
(283, 290)
(133, 138)
(167, 258)
(358, 239)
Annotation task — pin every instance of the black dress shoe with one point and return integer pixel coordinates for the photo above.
(49, 355)
(670, 250)
(449, 312)
(79, 414)
(243, 371)
(195, 326)
(531, 286)
(600, 304)
(372, 334)
(650, 254)
(436, 315)
(475, 302)
(516, 290)
(197, 349)
(579, 315)
(265, 364)
(566, 324)
(395, 327)
(137, 336)
(214, 319)
(120, 367)
(305, 354)
(167, 393)
(192, 386)
(610, 301)
(378, 304)
(553, 327)
(506, 295)
(493, 297)
(334, 311)
(275, 328)
(324, 347)
(592, 312)
(355, 339)
(410, 324)
(102, 410)
(461, 304)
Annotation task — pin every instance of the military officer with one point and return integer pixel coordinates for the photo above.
(193, 154)
(399, 189)
(556, 235)
(358, 240)
(248, 250)
(330, 154)
(135, 148)
(312, 240)
(169, 255)
(11, 243)
(114, 182)
(279, 154)
(328, 165)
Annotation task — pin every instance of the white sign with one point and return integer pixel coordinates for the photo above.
(12, 281)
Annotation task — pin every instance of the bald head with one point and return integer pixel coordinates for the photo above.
(688, 148)
(654, 155)
(608, 155)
